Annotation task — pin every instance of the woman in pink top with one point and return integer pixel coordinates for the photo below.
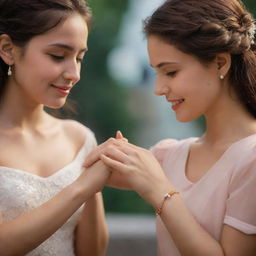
(204, 55)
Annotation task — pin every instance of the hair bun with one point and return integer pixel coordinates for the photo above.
(247, 27)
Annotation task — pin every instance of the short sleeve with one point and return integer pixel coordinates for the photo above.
(241, 203)
(160, 149)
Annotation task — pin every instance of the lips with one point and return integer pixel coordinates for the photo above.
(176, 103)
(63, 90)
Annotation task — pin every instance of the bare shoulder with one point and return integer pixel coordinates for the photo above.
(73, 130)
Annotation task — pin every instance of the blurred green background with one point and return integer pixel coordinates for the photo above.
(101, 101)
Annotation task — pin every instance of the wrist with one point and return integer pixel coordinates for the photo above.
(156, 197)
(166, 196)
(80, 191)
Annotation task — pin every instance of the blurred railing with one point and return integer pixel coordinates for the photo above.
(131, 235)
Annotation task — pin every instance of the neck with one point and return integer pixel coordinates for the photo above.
(229, 122)
(18, 112)
(20, 117)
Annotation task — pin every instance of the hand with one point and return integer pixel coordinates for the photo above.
(139, 168)
(95, 177)
(95, 154)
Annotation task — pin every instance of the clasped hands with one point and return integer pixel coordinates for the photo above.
(131, 167)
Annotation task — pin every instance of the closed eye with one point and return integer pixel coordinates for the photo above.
(173, 73)
(60, 58)
(57, 57)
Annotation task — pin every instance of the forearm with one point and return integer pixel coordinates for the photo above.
(189, 236)
(23, 234)
(91, 232)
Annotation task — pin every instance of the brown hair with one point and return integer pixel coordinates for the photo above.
(205, 28)
(24, 19)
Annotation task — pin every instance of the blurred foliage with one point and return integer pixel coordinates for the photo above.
(251, 5)
(100, 102)
(123, 201)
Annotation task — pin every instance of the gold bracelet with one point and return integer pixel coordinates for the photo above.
(166, 196)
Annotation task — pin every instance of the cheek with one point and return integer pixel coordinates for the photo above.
(211, 85)
(206, 96)
(38, 67)
(43, 68)
(203, 81)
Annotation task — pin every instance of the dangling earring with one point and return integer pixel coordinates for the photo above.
(221, 77)
(9, 73)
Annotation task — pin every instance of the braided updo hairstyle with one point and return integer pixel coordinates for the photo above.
(207, 27)
(21, 20)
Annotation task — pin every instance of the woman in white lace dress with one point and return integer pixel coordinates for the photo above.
(48, 202)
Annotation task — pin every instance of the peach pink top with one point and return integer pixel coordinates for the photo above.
(224, 195)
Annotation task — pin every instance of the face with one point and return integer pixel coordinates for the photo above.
(191, 88)
(50, 65)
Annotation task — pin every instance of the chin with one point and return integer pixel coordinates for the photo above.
(55, 105)
(186, 119)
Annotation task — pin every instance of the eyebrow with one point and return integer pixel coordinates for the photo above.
(164, 64)
(67, 47)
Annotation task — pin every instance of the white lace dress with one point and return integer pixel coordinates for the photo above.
(21, 191)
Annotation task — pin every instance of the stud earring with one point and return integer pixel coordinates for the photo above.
(221, 77)
(9, 73)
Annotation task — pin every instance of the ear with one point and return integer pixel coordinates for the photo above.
(223, 61)
(6, 49)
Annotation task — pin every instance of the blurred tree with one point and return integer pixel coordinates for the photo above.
(251, 5)
(101, 103)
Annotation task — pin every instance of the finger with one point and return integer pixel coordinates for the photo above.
(94, 155)
(112, 164)
(116, 154)
(120, 136)
(129, 149)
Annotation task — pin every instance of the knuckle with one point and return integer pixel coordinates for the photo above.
(109, 148)
(136, 153)
(111, 140)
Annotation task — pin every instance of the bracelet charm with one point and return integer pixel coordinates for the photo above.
(166, 196)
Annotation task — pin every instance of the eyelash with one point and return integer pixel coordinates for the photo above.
(56, 57)
(173, 73)
(60, 58)
(80, 60)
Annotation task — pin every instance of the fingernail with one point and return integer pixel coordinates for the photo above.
(119, 134)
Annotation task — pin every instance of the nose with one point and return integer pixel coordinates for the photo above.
(161, 88)
(72, 72)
